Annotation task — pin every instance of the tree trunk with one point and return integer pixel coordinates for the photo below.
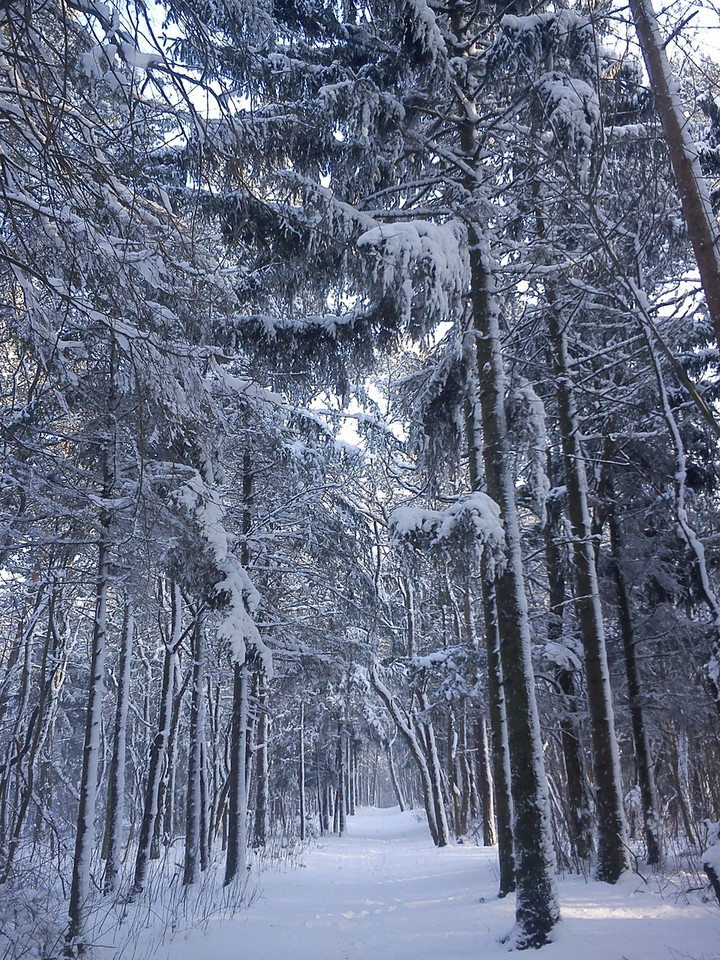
(496, 691)
(115, 814)
(193, 817)
(260, 833)
(159, 746)
(408, 730)
(612, 853)
(537, 909)
(485, 781)
(579, 808)
(693, 189)
(341, 778)
(80, 887)
(237, 824)
(643, 761)
(394, 778)
(301, 787)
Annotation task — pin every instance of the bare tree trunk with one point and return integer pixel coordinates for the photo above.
(341, 775)
(260, 833)
(486, 783)
(693, 189)
(612, 851)
(237, 825)
(496, 692)
(394, 778)
(407, 729)
(579, 806)
(643, 761)
(193, 818)
(159, 746)
(80, 887)
(537, 909)
(303, 824)
(115, 814)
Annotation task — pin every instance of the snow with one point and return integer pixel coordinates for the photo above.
(474, 518)
(383, 890)
(439, 250)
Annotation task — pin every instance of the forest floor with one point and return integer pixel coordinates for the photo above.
(384, 891)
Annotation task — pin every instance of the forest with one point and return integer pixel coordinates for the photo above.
(360, 441)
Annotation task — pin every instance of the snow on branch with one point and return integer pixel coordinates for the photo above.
(471, 523)
(421, 261)
(573, 110)
(234, 588)
(425, 30)
(526, 42)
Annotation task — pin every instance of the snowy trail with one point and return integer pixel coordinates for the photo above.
(383, 891)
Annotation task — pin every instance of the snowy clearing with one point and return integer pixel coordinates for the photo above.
(383, 890)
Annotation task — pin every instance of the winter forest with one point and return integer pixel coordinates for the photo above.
(360, 425)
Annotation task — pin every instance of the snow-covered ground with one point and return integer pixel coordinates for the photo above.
(383, 891)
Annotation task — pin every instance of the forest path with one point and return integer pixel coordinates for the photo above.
(383, 892)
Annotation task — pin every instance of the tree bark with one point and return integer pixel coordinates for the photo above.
(237, 824)
(80, 887)
(193, 815)
(260, 832)
(643, 760)
(115, 814)
(159, 745)
(579, 809)
(537, 909)
(693, 189)
(612, 851)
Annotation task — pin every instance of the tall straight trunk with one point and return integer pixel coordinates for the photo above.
(435, 771)
(193, 809)
(159, 745)
(236, 856)
(612, 851)
(485, 782)
(579, 808)
(80, 886)
(496, 691)
(260, 833)
(537, 909)
(500, 744)
(205, 819)
(643, 760)
(394, 778)
(453, 786)
(301, 778)
(697, 208)
(115, 813)
(341, 778)
(353, 774)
